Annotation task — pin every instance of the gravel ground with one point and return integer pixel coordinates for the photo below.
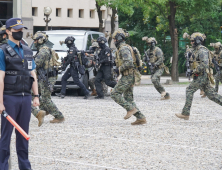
(96, 137)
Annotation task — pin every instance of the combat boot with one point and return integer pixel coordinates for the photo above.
(166, 97)
(40, 116)
(182, 116)
(93, 93)
(60, 95)
(203, 95)
(99, 97)
(201, 92)
(163, 94)
(139, 122)
(130, 113)
(57, 120)
(86, 96)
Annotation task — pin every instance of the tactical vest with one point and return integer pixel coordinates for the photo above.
(18, 80)
(73, 51)
(195, 60)
(102, 56)
(218, 57)
(196, 63)
(53, 60)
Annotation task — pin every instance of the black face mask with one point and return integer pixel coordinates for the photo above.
(70, 45)
(17, 35)
(101, 45)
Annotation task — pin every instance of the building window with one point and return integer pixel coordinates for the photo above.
(34, 11)
(92, 13)
(6, 10)
(69, 13)
(102, 12)
(81, 13)
(58, 12)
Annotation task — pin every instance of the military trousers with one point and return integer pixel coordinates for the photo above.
(123, 94)
(19, 108)
(92, 85)
(45, 100)
(105, 74)
(200, 82)
(218, 79)
(155, 78)
(75, 76)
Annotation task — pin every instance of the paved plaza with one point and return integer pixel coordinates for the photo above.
(95, 136)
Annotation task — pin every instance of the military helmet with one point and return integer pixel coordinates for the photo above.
(3, 30)
(149, 40)
(120, 34)
(69, 40)
(95, 44)
(102, 40)
(41, 37)
(216, 45)
(197, 37)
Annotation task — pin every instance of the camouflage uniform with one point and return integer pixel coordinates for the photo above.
(156, 57)
(123, 91)
(2, 33)
(201, 77)
(41, 59)
(218, 56)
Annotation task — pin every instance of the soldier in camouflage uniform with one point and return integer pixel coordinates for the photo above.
(3, 35)
(155, 55)
(217, 54)
(202, 75)
(42, 60)
(123, 91)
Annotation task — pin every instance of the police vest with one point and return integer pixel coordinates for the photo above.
(18, 80)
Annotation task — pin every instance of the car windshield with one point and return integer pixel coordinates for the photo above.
(56, 38)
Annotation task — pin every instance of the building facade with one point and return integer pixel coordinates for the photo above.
(66, 14)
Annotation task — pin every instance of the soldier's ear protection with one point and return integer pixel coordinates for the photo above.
(41, 39)
(120, 36)
(198, 40)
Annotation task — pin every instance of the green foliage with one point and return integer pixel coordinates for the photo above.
(150, 18)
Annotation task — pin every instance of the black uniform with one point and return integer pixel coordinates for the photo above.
(73, 60)
(104, 73)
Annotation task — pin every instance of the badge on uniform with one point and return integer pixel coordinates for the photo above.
(29, 65)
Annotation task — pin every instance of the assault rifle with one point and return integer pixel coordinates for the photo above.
(149, 64)
(216, 65)
(96, 59)
(188, 72)
(42, 76)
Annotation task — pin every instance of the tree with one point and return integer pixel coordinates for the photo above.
(172, 11)
(100, 3)
(114, 5)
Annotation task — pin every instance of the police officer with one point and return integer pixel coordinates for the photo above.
(105, 68)
(17, 77)
(75, 64)
(202, 77)
(3, 35)
(123, 91)
(94, 50)
(155, 55)
(42, 60)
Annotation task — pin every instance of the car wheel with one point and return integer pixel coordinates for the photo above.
(85, 82)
